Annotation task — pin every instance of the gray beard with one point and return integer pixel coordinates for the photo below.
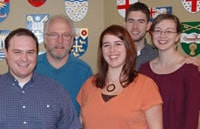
(59, 57)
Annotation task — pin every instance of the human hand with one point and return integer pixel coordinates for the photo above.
(192, 60)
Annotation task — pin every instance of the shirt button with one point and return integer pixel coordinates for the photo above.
(23, 106)
(24, 122)
(23, 91)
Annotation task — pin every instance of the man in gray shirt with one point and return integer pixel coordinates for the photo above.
(137, 22)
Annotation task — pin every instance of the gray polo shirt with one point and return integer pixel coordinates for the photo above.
(147, 53)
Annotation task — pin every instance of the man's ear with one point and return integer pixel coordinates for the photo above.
(44, 40)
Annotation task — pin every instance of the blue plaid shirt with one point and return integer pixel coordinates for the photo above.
(41, 104)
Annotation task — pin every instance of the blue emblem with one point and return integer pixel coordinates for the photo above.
(154, 12)
(35, 23)
(80, 42)
(4, 9)
(3, 34)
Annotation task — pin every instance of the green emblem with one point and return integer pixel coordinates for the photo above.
(190, 38)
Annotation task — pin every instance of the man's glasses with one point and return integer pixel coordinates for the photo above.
(54, 35)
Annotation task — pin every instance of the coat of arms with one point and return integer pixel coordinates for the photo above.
(36, 3)
(154, 12)
(76, 10)
(4, 9)
(35, 23)
(190, 38)
(3, 34)
(122, 6)
(191, 6)
(80, 42)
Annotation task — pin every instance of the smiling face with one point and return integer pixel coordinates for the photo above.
(21, 56)
(165, 35)
(58, 47)
(137, 25)
(114, 51)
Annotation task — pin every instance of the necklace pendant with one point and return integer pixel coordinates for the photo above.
(110, 87)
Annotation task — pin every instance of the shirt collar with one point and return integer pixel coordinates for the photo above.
(15, 81)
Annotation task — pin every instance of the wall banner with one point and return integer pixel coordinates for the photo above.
(4, 9)
(80, 42)
(35, 23)
(76, 10)
(191, 6)
(3, 34)
(122, 5)
(36, 3)
(190, 38)
(154, 12)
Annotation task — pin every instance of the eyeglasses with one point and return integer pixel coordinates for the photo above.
(165, 32)
(54, 35)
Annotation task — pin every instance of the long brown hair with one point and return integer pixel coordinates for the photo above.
(128, 71)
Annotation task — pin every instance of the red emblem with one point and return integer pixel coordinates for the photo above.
(191, 6)
(36, 3)
(122, 5)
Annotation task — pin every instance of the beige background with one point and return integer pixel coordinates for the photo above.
(94, 21)
(101, 13)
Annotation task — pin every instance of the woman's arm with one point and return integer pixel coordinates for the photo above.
(154, 117)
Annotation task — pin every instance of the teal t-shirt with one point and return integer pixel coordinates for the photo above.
(71, 75)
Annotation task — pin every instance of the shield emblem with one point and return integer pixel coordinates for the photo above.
(80, 42)
(191, 6)
(122, 5)
(36, 3)
(76, 10)
(3, 34)
(190, 38)
(4, 9)
(35, 23)
(154, 12)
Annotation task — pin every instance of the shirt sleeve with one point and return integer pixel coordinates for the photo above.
(150, 94)
(82, 95)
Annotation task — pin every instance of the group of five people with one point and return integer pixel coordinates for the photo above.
(137, 85)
